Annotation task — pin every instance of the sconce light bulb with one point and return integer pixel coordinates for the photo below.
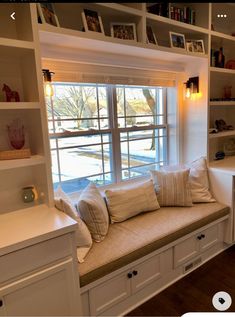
(49, 91)
(188, 93)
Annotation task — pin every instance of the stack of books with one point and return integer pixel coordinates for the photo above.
(185, 14)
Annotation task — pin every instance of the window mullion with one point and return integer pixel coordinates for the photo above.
(116, 147)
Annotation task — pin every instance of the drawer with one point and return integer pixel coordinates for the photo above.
(186, 250)
(210, 237)
(146, 272)
(33, 257)
(197, 243)
(109, 293)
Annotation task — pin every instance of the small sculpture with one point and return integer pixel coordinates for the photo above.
(10, 94)
(222, 126)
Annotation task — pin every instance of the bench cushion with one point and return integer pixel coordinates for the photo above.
(138, 236)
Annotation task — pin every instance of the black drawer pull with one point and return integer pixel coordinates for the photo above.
(129, 275)
(199, 237)
(203, 236)
(1, 303)
(135, 272)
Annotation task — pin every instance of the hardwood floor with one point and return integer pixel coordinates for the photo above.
(194, 292)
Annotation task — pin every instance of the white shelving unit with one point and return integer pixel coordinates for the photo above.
(219, 108)
(21, 70)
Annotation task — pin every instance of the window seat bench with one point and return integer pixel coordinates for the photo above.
(136, 237)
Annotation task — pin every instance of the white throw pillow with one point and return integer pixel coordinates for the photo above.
(172, 188)
(128, 202)
(83, 236)
(198, 180)
(93, 211)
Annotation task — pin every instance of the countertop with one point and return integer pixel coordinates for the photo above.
(21, 228)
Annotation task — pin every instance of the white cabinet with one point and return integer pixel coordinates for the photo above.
(196, 244)
(38, 264)
(125, 284)
(48, 292)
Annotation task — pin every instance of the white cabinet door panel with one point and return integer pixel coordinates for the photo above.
(48, 292)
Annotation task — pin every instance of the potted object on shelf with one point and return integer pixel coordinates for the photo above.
(16, 135)
(219, 58)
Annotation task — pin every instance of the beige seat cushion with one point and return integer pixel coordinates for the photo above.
(130, 201)
(138, 236)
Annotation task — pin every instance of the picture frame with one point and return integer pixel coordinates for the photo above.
(198, 46)
(195, 46)
(151, 38)
(124, 31)
(47, 13)
(177, 40)
(92, 21)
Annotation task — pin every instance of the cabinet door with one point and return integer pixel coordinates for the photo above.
(49, 292)
(109, 293)
(210, 237)
(145, 273)
(186, 250)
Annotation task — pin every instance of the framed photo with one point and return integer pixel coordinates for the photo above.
(92, 21)
(47, 14)
(124, 31)
(177, 40)
(198, 46)
(151, 38)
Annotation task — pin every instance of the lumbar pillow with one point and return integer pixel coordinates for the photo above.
(83, 236)
(128, 202)
(172, 188)
(93, 211)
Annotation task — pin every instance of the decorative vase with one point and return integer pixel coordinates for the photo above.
(16, 134)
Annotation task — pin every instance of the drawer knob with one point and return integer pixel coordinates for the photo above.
(129, 275)
(203, 236)
(135, 272)
(199, 237)
(1, 303)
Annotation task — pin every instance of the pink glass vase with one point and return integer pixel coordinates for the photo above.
(16, 134)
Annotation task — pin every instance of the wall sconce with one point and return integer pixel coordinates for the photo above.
(192, 86)
(48, 89)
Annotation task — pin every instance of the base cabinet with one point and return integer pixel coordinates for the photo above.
(129, 282)
(39, 280)
(47, 292)
(146, 278)
(197, 243)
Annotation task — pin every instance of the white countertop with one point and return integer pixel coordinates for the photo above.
(28, 226)
(226, 165)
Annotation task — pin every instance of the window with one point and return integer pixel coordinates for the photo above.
(105, 133)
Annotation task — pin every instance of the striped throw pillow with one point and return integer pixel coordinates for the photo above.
(172, 188)
(130, 201)
(94, 213)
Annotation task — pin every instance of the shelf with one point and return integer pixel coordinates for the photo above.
(222, 134)
(67, 44)
(121, 8)
(222, 70)
(222, 103)
(223, 35)
(175, 23)
(19, 105)
(32, 161)
(16, 43)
